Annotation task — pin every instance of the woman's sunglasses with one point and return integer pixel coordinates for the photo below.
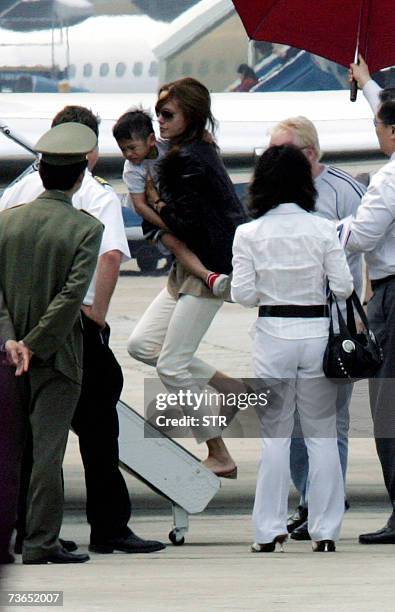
(165, 114)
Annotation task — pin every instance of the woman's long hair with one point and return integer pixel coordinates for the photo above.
(193, 98)
(282, 174)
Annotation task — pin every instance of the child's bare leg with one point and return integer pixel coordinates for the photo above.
(218, 283)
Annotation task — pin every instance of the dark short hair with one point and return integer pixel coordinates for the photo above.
(386, 112)
(282, 174)
(135, 123)
(246, 71)
(60, 177)
(77, 114)
(194, 100)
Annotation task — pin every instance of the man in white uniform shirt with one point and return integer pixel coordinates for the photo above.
(95, 420)
(338, 195)
(373, 232)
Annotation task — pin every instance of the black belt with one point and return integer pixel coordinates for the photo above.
(294, 310)
(380, 281)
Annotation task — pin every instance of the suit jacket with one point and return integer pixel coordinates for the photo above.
(48, 253)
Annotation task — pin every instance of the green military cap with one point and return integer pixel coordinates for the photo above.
(67, 143)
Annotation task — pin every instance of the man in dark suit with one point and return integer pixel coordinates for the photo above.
(48, 252)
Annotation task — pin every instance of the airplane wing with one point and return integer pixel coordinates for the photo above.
(244, 119)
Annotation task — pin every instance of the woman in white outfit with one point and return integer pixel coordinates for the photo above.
(282, 261)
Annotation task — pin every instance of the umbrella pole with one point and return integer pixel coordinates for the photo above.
(354, 87)
(354, 84)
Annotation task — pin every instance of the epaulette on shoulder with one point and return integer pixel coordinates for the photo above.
(102, 182)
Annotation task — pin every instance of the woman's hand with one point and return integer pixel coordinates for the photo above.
(150, 191)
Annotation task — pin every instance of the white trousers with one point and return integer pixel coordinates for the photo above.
(298, 363)
(168, 336)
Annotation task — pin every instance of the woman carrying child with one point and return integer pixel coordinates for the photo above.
(197, 204)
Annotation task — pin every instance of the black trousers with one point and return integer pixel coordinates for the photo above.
(381, 314)
(95, 421)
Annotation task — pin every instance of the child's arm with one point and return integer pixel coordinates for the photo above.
(184, 255)
(141, 207)
(218, 283)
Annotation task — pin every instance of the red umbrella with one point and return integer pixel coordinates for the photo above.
(334, 29)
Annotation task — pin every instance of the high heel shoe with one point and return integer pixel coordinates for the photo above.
(270, 546)
(324, 546)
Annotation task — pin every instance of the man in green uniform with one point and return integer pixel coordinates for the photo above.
(48, 252)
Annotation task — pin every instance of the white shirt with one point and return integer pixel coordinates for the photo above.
(371, 91)
(100, 200)
(339, 195)
(135, 175)
(285, 257)
(373, 229)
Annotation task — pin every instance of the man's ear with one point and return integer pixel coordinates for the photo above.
(80, 178)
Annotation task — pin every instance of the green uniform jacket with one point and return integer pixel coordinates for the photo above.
(48, 253)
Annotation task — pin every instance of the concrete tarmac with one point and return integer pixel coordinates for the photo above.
(214, 569)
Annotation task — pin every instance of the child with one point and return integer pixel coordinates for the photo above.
(136, 139)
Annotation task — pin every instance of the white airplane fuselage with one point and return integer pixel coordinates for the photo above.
(112, 56)
(101, 54)
(244, 119)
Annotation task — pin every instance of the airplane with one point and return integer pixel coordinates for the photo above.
(102, 54)
(110, 54)
(244, 120)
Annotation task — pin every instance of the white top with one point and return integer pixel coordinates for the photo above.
(285, 257)
(100, 200)
(371, 91)
(135, 175)
(339, 196)
(373, 229)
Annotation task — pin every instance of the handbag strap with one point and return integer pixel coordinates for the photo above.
(352, 328)
(351, 301)
(331, 296)
(360, 310)
(345, 329)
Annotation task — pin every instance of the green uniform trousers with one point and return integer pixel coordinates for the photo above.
(50, 400)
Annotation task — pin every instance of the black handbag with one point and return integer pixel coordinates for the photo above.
(349, 355)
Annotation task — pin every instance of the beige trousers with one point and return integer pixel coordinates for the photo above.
(168, 336)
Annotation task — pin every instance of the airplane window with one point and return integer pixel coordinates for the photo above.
(120, 69)
(104, 69)
(138, 69)
(186, 68)
(204, 68)
(72, 71)
(153, 69)
(88, 69)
